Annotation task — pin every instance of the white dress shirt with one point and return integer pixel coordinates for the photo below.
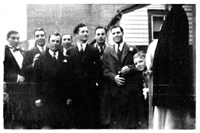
(40, 48)
(52, 53)
(83, 46)
(120, 46)
(64, 51)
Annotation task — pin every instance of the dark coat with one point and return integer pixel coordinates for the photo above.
(28, 73)
(124, 104)
(171, 70)
(51, 76)
(11, 68)
(53, 87)
(86, 68)
(27, 63)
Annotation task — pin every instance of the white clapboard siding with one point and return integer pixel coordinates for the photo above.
(136, 27)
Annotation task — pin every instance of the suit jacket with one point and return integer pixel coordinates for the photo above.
(11, 68)
(85, 69)
(15, 107)
(27, 63)
(112, 65)
(51, 78)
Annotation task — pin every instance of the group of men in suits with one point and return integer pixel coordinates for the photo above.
(78, 85)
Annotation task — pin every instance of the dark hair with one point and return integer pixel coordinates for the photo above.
(39, 29)
(76, 29)
(55, 34)
(100, 27)
(11, 32)
(116, 26)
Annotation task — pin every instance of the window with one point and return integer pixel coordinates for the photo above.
(155, 21)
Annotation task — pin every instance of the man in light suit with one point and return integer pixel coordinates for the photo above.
(85, 64)
(13, 78)
(30, 57)
(52, 74)
(119, 72)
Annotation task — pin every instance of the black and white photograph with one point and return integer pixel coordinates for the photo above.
(98, 66)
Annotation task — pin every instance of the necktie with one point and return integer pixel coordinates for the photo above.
(101, 50)
(42, 49)
(81, 48)
(54, 56)
(15, 49)
(119, 53)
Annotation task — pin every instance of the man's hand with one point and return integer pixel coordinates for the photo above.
(20, 79)
(38, 102)
(125, 70)
(119, 80)
(35, 58)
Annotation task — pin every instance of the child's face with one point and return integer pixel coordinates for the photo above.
(139, 63)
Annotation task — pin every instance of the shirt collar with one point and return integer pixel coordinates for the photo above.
(52, 53)
(99, 47)
(40, 48)
(12, 47)
(83, 45)
(120, 46)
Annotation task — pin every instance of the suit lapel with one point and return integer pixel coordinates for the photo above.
(11, 56)
(113, 53)
(125, 51)
(76, 53)
(85, 53)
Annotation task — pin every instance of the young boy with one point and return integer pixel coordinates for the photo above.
(140, 64)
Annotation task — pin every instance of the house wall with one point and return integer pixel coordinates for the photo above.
(136, 27)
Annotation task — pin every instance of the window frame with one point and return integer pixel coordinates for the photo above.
(152, 13)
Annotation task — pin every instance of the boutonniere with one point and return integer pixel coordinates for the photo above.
(65, 60)
(131, 49)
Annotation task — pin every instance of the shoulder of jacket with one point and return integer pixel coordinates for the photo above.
(131, 47)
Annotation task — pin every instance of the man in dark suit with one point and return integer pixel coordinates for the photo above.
(102, 95)
(85, 64)
(66, 43)
(30, 57)
(119, 72)
(13, 78)
(51, 74)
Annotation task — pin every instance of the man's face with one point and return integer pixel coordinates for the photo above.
(117, 35)
(54, 43)
(100, 36)
(83, 34)
(40, 38)
(13, 40)
(139, 63)
(66, 41)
